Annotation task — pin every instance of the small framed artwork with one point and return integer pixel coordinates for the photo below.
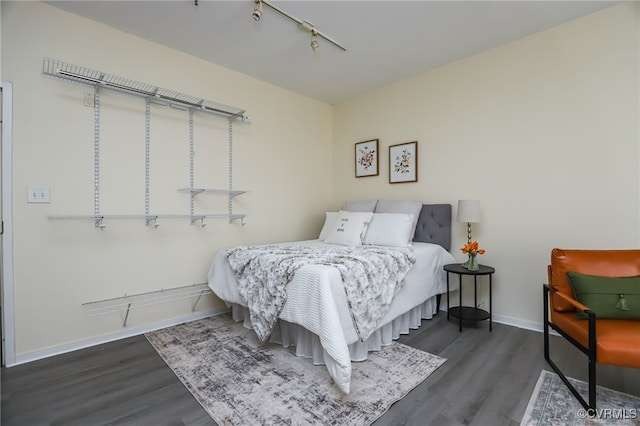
(367, 158)
(403, 162)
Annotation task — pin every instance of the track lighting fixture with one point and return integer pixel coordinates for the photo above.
(305, 25)
(257, 10)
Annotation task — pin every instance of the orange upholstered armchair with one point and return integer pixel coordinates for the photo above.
(593, 300)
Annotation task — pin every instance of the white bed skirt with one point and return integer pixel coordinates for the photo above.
(307, 344)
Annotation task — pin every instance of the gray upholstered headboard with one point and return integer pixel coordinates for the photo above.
(434, 225)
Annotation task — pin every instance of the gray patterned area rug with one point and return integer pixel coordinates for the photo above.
(552, 403)
(239, 381)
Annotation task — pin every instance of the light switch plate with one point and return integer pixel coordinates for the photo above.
(38, 194)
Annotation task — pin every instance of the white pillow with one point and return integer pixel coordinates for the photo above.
(390, 229)
(349, 228)
(408, 207)
(329, 220)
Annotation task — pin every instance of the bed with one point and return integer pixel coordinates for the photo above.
(316, 317)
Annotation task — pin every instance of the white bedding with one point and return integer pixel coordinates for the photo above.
(317, 302)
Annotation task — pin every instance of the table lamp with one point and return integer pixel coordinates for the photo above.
(469, 211)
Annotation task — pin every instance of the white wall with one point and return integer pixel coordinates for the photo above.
(59, 265)
(543, 131)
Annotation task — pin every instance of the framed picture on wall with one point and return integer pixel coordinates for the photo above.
(403, 162)
(367, 158)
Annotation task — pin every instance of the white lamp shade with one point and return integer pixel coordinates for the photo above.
(469, 211)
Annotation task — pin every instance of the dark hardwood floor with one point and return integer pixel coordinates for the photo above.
(487, 380)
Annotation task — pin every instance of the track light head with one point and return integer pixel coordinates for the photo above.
(257, 10)
(314, 40)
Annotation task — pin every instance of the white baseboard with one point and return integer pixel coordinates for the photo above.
(122, 334)
(527, 325)
(501, 319)
(129, 332)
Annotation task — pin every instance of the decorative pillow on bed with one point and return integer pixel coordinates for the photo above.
(329, 220)
(407, 207)
(608, 297)
(389, 229)
(360, 206)
(349, 228)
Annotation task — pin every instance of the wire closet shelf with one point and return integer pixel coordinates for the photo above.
(127, 302)
(87, 76)
(99, 81)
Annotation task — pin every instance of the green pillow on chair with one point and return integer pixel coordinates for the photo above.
(608, 297)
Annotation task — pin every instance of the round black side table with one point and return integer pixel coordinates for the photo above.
(469, 313)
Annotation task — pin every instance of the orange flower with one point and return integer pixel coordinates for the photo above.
(472, 248)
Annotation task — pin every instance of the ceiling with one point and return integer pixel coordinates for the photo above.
(386, 41)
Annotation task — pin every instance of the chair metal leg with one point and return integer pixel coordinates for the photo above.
(590, 352)
(592, 360)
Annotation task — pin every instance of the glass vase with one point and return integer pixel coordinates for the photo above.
(472, 265)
